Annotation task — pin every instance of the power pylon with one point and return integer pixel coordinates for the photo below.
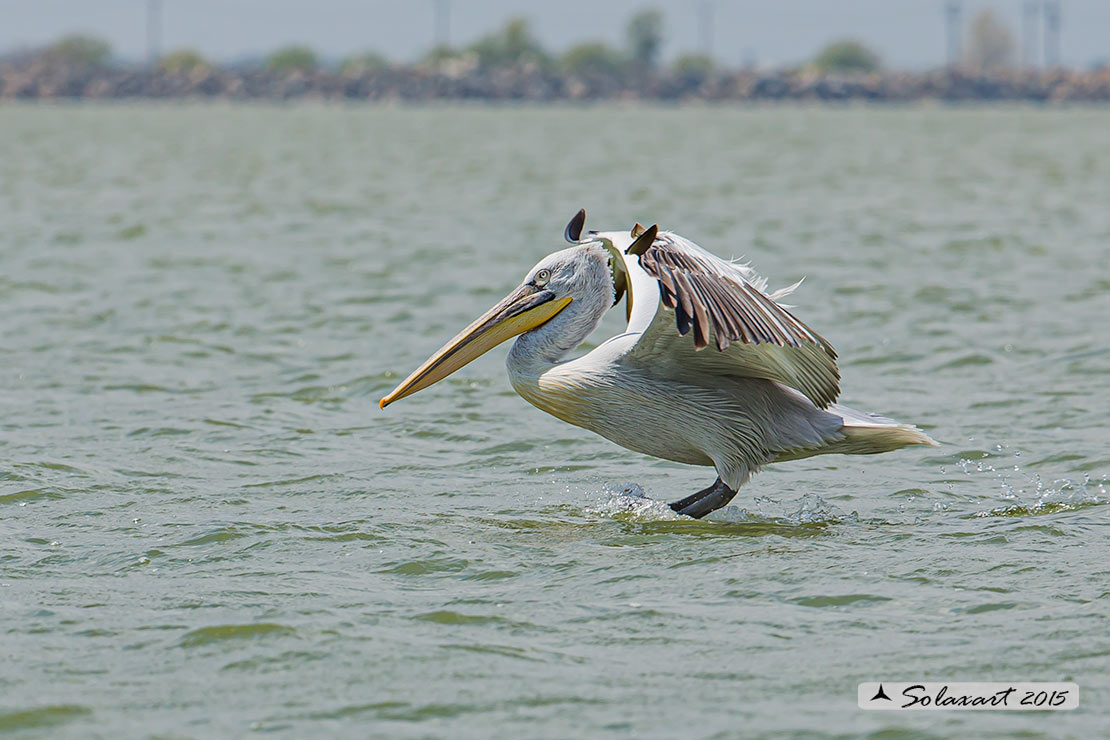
(953, 9)
(1029, 41)
(705, 27)
(441, 21)
(1051, 33)
(153, 30)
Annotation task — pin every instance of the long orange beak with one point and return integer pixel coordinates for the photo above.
(525, 308)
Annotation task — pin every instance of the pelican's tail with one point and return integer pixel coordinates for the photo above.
(864, 434)
(867, 434)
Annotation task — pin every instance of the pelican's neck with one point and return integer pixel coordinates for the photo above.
(538, 350)
(536, 357)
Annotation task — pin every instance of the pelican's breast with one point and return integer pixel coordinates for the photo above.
(593, 393)
(558, 394)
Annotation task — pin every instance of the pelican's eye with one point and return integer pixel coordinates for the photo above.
(542, 277)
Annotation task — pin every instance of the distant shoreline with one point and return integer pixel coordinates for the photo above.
(412, 84)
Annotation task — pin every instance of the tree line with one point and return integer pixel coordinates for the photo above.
(989, 47)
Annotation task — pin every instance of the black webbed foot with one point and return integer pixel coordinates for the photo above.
(709, 499)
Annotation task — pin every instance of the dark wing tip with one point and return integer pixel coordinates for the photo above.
(643, 241)
(573, 232)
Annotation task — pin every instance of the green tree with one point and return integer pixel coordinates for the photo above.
(990, 46)
(183, 62)
(441, 53)
(81, 51)
(645, 36)
(291, 59)
(357, 64)
(593, 59)
(512, 46)
(847, 55)
(693, 68)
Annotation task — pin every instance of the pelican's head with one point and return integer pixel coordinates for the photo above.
(579, 274)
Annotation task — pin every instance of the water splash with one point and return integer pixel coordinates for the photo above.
(1030, 494)
(813, 509)
(630, 501)
(808, 510)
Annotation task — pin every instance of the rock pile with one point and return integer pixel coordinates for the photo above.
(43, 77)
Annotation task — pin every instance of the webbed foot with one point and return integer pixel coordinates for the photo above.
(699, 504)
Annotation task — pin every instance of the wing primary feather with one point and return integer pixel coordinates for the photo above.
(795, 327)
(703, 307)
(684, 294)
(682, 320)
(772, 332)
(760, 316)
(724, 328)
(643, 241)
(751, 318)
(573, 232)
(666, 279)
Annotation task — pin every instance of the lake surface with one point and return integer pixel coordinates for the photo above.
(210, 529)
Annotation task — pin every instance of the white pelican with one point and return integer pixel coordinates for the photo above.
(712, 369)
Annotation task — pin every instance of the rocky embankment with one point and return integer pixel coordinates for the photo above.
(44, 79)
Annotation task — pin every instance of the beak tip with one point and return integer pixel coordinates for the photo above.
(382, 404)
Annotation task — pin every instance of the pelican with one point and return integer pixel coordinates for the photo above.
(712, 369)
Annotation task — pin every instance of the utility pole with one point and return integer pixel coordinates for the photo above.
(705, 27)
(441, 11)
(952, 12)
(1029, 41)
(1051, 33)
(153, 31)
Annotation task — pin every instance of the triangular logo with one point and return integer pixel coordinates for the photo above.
(880, 694)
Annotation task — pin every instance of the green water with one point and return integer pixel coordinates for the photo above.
(210, 529)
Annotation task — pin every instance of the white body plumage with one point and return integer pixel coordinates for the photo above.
(670, 409)
(711, 369)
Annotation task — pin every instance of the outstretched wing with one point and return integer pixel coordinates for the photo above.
(704, 299)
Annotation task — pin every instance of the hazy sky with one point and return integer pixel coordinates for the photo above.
(907, 33)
